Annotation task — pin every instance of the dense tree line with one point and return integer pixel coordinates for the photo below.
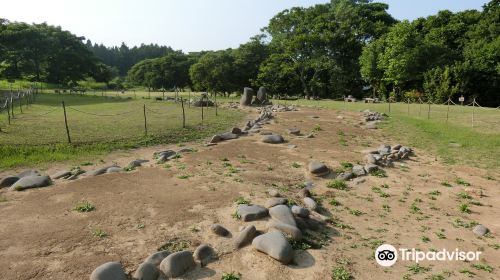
(122, 58)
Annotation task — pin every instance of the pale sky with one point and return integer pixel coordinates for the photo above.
(188, 25)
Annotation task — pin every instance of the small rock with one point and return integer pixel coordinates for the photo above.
(273, 139)
(266, 132)
(300, 211)
(292, 231)
(292, 146)
(293, 131)
(480, 230)
(219, 230)
(310, 203)
(250, 213)
(318, 168)
(146, 271)
(304, 192)
(62, 174)
(371, 125)
(384, 149)
(275, 201)
(30, 182)
(358, 170)
(135, 163)
(273, 193)
(177, 264)
(108, 271)
(275, 245)
(101, 170)
(371, 168)
(245, 237)
(283, 214)
(204, 253)
(370, 159)
(345, 176)
(157, 257)
(397, 147)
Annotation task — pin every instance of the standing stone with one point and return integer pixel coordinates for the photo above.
(310, 203)
(318, 168)
(247, 96)
(245, 237)
(146, 271)
(275, 245)
(177, 264)
(204, 253)
(108, 271)
(283, 214)
(262, 96)
(219, 230)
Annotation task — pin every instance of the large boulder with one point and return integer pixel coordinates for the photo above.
(157, 257)
(245, 237)
(177, 264)
(262, 96)
(31, 182)
(146, 271)
(108, 271)
(250, 213)
(275, 245)
(247, 96)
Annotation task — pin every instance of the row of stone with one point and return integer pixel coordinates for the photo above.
(385, 155)
(320, 169)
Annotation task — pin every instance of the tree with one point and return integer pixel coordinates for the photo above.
(214, 72)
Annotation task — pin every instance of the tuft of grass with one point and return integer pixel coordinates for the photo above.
(242, 200)
(425, 239)
(464, 208)
(84, 206)
(231, 276)
(338, 185)
(99, 233)
(334, 202)
(184, 176)
(483, 266)
(378, 173)
(236, 215)
(446, 184)
(175, 245)
(317, 128)
(346, 165)
(464, 195)
(300, 245)
(341, 273)
(417, 268)
(296, 165)
(462, 182)
(356, 212)
(414, 209)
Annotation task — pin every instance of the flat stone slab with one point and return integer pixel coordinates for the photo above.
(283, 214)
(250, 213)
(275, 245)
(114, 169)
(31, 182)
(177, 264)
(292, 232)
(245, 237)
(107, 271)
(273, 139)
(318, 168)
(136, 163)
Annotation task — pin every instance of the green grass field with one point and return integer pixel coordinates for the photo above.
(98, 125)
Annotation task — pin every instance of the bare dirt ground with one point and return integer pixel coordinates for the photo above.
(41, 237)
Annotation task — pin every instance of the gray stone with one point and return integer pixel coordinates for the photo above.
(384, 149)
(29, 172)
(185, 150)
(275, 245)
(291, 231)
(275, 201)
(301, 223)
(251, 212)
(397, 147)
(266, 132)
(370, 159)
(300, 211)
(273, 193)
(245, 237)
(219, 230)
(358, 170)
(146, 271)
(262, 96)
(292, 146)
(114, 169)
(345, 176)
(157, 257)
(318, 168)
(283, 214)
(177, 264)
(236, 130)
(135, 163)
(62, 174)
(228, 136)
(109, 271)
(8, 181)
(204, 253)
(371, 167)
(215, 139)
(310, 203)
(101, 170)
(30, 182)
(480, 230)
(273, 139)
(371, 125)
(293, 131)
(247, 96)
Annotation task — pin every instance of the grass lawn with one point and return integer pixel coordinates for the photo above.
(98, 125)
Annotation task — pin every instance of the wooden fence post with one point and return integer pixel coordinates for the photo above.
(448, 110)
(473, 107)
(12, 106)
(66, 122)
(389, 104)
(215, 102)
(145, 121)
(183, 114)
(8, 111)
(429, 110)
(202, 97)
(408, 106)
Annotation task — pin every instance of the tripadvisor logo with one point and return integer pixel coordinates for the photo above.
(386, 255)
